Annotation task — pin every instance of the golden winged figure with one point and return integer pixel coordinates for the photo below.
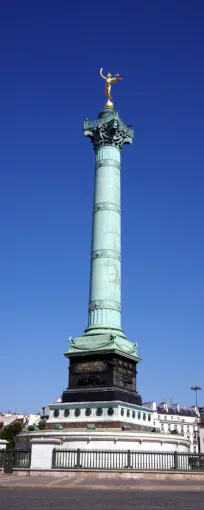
(109, 81)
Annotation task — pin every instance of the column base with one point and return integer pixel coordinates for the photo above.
(103, 330)
(102, 343)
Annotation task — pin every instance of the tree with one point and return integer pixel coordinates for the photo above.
(10, 432)
(41, 425)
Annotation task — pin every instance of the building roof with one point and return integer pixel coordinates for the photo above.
(201, 409)
(174, 411)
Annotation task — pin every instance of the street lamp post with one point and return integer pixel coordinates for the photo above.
(196, 388)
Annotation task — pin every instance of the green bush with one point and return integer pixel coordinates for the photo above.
(30, 428)
(10, 432)
(41, 425)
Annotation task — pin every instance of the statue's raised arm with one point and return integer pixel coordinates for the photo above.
(115, 78)
(101, 73)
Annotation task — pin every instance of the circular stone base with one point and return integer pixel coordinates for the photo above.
(93, 440)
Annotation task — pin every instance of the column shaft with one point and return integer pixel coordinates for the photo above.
(105, 277)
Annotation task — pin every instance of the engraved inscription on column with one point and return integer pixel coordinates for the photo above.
(106, 206)
(111, 305)
(107, 162)
(105, 254)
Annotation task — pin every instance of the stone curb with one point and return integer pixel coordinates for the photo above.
(149, 488)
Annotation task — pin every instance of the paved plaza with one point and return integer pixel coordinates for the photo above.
(59, 493)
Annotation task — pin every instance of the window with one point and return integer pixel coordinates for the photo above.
(77, 412)
(133, 414)
(165, 417)
(128, 413)
(162, 427)
(149, 417)
(110, 411)
(122, 412)
(144, 416)
(159, 416)
(188, 429)
(99, 411)
(66, 413)
(88, 412)
(56, 413)
(139, 415)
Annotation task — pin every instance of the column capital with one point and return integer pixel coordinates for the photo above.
(108, 130)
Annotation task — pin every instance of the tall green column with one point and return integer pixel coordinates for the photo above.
(108, 136)
(104, 333)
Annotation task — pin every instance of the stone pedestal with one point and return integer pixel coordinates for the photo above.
(106, 377)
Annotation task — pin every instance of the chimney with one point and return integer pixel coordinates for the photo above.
(164, 406)
(176, 407)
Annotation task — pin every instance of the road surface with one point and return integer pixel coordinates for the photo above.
(90, 499)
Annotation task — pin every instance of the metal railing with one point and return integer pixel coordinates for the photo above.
(17, 458)
(22, 459)
(90, 459)
(1, 458)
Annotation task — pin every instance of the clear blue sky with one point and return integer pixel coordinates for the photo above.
(51, 53)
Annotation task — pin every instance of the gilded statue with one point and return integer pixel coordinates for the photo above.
(109, 81)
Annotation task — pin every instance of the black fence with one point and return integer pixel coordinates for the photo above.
(90, 459)
(10, 459)
(22, 459)
(1, 458)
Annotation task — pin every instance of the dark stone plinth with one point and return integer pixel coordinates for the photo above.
(102, 377)
(100, 395)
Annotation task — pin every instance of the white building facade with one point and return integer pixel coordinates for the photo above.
(201, 430)
(177, 421)
(9, 418)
